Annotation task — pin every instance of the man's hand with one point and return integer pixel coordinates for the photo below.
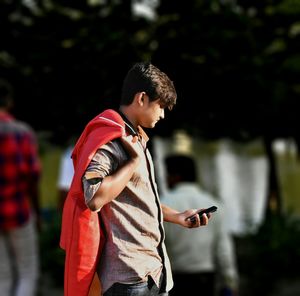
(192, 220)
(188, 218)
(130, 145)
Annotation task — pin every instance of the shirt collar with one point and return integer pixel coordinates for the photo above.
(143, 134)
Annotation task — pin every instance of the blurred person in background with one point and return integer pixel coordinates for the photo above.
(199, 256)
(19, 202)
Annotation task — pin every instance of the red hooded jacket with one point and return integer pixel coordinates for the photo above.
(81, 236)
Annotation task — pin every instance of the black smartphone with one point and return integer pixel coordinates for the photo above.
(204, 211)
(208, 210)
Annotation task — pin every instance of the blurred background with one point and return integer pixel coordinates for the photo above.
(235, 65)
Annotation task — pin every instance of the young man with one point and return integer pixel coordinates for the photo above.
(204, 259)
(112, 219)
(19, 201)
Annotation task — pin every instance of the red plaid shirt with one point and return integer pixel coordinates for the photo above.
(19, 162)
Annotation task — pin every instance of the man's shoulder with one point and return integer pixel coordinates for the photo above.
(108, 118)
(19, 126)
(26, 129)
(111, 114)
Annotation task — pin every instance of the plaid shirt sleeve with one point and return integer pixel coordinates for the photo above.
(19, 166)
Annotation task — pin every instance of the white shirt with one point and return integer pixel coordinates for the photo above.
(205, 249)
(66, 170)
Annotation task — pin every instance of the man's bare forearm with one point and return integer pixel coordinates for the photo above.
(112, 185)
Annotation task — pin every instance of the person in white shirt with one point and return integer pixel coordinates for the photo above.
(65, 175)
(198, 256)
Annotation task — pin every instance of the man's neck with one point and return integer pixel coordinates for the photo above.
(127, 112)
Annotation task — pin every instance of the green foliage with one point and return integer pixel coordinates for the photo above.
(68, 59)
(237, 59)
(230, 57)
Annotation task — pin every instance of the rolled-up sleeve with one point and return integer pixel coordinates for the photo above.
(102, 164)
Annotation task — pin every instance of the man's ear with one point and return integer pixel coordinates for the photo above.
(139, 98)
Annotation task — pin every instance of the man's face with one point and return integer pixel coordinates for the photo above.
(152, 112)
